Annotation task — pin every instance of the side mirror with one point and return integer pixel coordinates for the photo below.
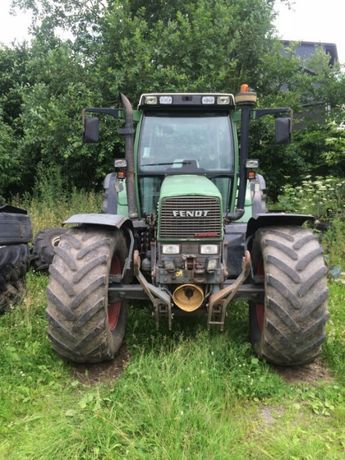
(91, 130)
(283, 130)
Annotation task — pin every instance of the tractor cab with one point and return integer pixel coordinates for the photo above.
(185, 134)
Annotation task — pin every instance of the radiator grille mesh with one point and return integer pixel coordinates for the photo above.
(188, 216)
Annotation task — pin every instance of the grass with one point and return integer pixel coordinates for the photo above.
(182, 395)
(52, 211)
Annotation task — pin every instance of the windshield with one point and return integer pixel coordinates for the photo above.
(185, 142)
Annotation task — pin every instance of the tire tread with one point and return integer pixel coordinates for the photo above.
(295, 296)
(77, 295)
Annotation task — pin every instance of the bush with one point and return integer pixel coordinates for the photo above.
(324, 197)
(334, 243)
(54, 200)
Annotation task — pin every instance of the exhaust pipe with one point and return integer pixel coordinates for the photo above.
(188, 297)
(128, 133)
(244, 147)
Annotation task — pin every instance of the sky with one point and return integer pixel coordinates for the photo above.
(308, 20)
(314, 21)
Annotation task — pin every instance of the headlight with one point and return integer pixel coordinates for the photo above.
(165, 99)
(252, 164)
(120, 163)
(223, 100)
(170, 248)
(151, 100)
(208, 100)
(209, 249)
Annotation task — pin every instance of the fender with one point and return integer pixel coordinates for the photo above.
(12, 209)
(110, 194)
(111, 220)
(280, 219)
(107, 220)
(15, 226)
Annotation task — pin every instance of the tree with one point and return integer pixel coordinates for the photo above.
(78, 19)
(14, 76)
(206, 46)
(137, 46)
(120, 46)
(317, 97)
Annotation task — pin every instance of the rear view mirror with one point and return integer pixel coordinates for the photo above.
(91, 130)
(283, 130)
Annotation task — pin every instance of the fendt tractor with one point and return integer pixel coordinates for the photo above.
(185, 226)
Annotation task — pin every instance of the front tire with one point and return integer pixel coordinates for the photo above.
(288, 327)
(82, 326)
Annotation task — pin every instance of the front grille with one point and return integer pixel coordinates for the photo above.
(190, 217)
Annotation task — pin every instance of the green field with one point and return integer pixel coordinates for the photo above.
(188, 394)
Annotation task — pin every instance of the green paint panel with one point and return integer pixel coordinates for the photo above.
(122, 206)
(188, 184)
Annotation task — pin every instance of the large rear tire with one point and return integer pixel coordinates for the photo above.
(288, 327)
(44, 246)
(14, 263)
(82, 326)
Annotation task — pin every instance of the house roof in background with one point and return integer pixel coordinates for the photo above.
(305, 50)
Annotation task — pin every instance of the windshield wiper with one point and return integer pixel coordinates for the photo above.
(184, 162)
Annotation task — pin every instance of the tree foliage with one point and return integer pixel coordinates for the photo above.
(137, 46)
(204, 46)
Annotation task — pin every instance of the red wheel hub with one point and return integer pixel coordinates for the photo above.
(114, 309)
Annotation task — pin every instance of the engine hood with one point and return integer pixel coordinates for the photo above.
(189, 209)
(188, 184)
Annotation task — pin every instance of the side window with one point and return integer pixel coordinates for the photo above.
(149, 193)
(224, 186)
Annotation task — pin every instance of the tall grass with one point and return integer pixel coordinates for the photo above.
(53, 200)
(324, 198)
(182, 395)
(334, 242)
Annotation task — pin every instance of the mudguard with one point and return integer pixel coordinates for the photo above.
(108, 220)
(280, 219)
(110, 194)
(12, 209)
(15, 226)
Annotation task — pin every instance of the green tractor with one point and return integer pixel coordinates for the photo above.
(185, 226)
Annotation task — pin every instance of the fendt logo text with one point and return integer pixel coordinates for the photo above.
(185, 213)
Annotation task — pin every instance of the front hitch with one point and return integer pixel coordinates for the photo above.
(158, 297)
(219, 300)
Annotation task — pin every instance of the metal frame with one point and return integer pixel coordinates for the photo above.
(119, 291)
